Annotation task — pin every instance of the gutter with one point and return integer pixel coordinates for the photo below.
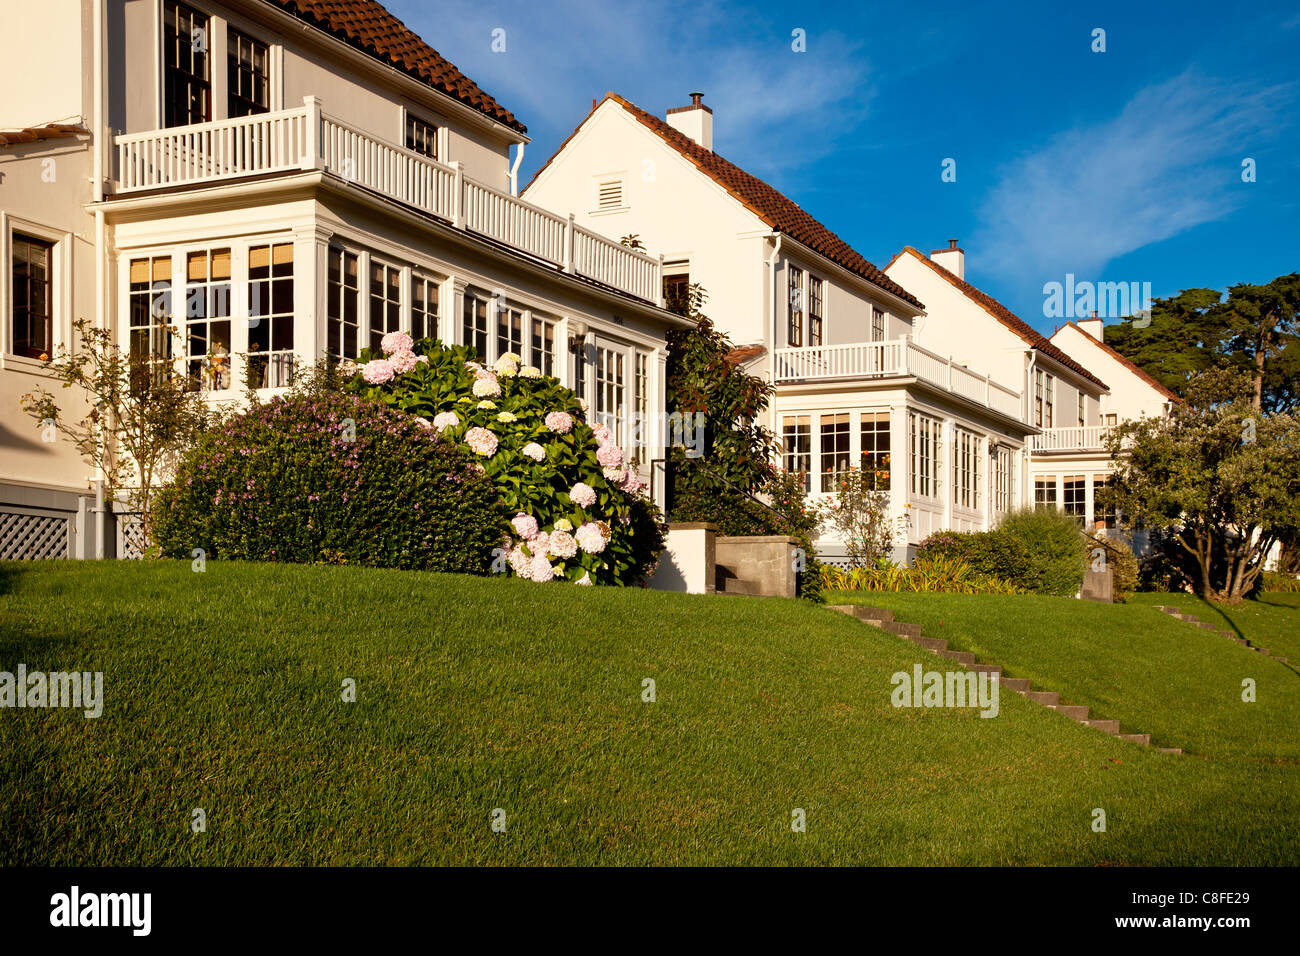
(514, 170)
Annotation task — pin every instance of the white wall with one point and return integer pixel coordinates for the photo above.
(41, 47)
(1130, 395)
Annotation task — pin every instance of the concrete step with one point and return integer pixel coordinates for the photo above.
(1108, 726)
(1166, 608)
(1073, 711)
(985, 668)
(741, 586)
(899, 627)
(1048, 697)
(1280, 660)
(1170, 750)
(874, 613)
(935, 644)
(1264, 651)
(843, 608)
(1018, 684)
(961, 657)
(1142, 740)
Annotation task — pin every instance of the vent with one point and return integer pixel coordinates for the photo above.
(609, 194)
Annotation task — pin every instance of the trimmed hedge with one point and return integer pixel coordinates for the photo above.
(1040, 550)
(331, 478)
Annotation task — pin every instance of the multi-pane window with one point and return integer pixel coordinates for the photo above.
(642, 404)
(875, 448)
(249, 78)
(1000, 480)
(385, 302)
(814, 311)
(343, 309)
(796, 306)
(1049, 398)
(149, 308)
(270, 315)
(424, 308)
(207, 319)
(1103, 508)
(967, 470)
(1044, 386)
(1074, 495)
(611, 392)
(474, 324)
(677, 293)
(836, 456)
(542, 352)
(1045, 491)
(796, 444)
(33, 296)
(510, 331)
(877, 324)
(925, 446)
(1083, 416)
(187, 86)
(421, 137)
(1111, 419)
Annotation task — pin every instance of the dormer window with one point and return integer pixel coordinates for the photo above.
(421, 137)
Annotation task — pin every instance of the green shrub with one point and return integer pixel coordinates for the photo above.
(928, 575)
(997, 553)
(1054, 546)
(577, 508)
(332, 479)
(1273, 581)
(1120, 560)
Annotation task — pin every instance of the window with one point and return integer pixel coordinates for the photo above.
(1045, 491)
(32, 279)
(877, 325)
(343, 308)
(1074, 489)
(677, 292)
(642, 405)
(968, 464)
(1083, 409)
(207, 325)
(609, 194)
(925, 447)
(542, 353)
(474, 324)
(1103, 509)
(814, 311)
(1044, 386)
(835, 449)
(796, 306)
(149, 308)
(424, 308)
(270, 315)
(1000, 479)
(187, 88)
(249, 83)
(421, 137)
(796, 444)
(611, 394)
(510, 331)
(1111, 419)
(1049, 395)
(875, 448)
(385, 302)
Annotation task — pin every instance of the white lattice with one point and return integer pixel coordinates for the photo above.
(131, 540)
(29, 537)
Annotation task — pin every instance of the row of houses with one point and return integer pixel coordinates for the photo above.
(304, 176)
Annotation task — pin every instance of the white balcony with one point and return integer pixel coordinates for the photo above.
(1075, 438)
(306, 138)
(899, 358)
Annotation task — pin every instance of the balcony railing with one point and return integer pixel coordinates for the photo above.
(306, 138)
(895, 358)
(1078, 438)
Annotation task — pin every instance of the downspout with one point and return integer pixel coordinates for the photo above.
(771, 358)
(1026, 484)
(101, 252)
(514, 170)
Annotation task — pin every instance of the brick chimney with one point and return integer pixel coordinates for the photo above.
(952, 259)
(696, 121)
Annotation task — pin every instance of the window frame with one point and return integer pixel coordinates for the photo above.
(60, 288)
(164, 74)
(232, 63)
(795, 306)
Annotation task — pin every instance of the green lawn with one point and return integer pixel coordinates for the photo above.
(1152, 672)
(223, 692)
(1272, 621)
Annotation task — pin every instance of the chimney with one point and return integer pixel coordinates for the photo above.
(695, 121)
(1094, 326)
(952, 259)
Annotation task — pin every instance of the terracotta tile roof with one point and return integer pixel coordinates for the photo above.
(771, 206)
(744, 353)
(1004, 315)
(35, 134)
(367, 26)
(1135, 369)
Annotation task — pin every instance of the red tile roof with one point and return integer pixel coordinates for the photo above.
(1004, 315)
(744, 353)
(775, 209)
(35, 134)
(367, 26)
(1136, 370)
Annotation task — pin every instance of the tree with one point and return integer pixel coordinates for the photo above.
(1222, 478)
(859, 512)
(144, 414)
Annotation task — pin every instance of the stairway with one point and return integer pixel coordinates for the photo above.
(884, 619)
(1205, 625)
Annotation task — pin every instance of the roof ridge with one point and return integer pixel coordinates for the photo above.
(1125, 361)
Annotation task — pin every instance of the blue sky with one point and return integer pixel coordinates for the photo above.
(1121, 166)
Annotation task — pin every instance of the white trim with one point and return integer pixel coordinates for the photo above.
(61, 265)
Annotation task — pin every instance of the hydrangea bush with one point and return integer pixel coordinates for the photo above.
(579, 512)
(331, 478)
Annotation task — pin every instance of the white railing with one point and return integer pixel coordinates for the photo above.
(1071, 438)
(899, 357)
(306, 138)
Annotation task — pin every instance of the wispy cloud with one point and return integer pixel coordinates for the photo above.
(1170, 161)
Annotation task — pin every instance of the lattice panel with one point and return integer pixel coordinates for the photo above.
(28, 537)
(131, 540)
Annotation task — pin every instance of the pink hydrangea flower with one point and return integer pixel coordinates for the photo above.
(424, 423)
(520, 562)
(561, 422)
(396, 342)
(540, 544)
(585, 580)
(541, 568)
(525, 525)
(444, 420)
(535, 451)
(562, 544)
(582, 495)
(612, 475)
(631, 483)
(603, 434)
(348, 367)
(377, 371)
(609, 455)
(487, 387)
(403, 360)
(481, 441)
(590, 538)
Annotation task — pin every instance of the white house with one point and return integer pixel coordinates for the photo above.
(291, 179)
(863, 374)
